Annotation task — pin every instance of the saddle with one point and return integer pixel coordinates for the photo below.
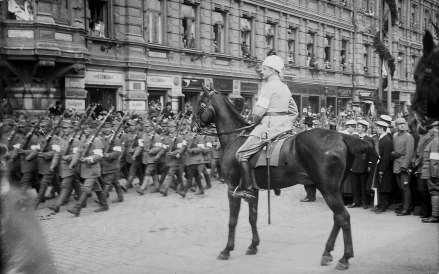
(274, 146)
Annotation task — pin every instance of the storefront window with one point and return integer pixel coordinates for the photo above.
(154, 18)
(99, 18)
(188, 26)
(21, 10)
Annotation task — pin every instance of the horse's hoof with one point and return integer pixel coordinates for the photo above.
(326, 260)
(342, 266)
(223, 256)
(251, 251)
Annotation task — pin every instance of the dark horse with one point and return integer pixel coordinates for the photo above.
(425, 104)
(321, 156)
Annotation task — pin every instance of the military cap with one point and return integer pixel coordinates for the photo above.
(45, 122)
(386, 118)
(363, 122)
(107, 125)
(22, 123)
(382, 124)
(164, 122)
(400, 121)
(66, 123)
(351, 122)
(172, 124)
(131, 123)
(147, 123)
(92, 124)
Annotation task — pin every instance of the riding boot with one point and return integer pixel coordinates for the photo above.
(185, 187)
(425, 204)
(207, 178)
(165, 185)
(156, 182)
(103, 201)
(119, 193)
(434, 211)
(246, 191)
(40, 197)
(130, 181)
(199, 184)
(142, 188)
(62, 196)
(76, 210)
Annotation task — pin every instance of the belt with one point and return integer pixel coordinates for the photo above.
(282, 113)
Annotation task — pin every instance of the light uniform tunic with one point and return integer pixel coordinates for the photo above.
(275, 97)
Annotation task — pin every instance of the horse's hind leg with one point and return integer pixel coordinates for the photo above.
(341, 220)
(252, 218)
(235, 205)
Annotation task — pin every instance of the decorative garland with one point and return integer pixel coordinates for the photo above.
(393, 11)
(384, 53)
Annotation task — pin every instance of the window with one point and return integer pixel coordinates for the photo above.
(269, 38)
(218, 31)
(246, 24)
(188, 26)
(61, 13)
(414, 18)
(343, 54)
(21, 10)
(327, 51)
(401, 65)
(291, 32)
(310, 57)
(426, 17)
(154, 21)
(99, 15)
(366, 49)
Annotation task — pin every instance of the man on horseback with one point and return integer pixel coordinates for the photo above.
(274, 112)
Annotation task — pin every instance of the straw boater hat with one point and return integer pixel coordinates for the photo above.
(363, 122)
(382, 124)
(351, 122)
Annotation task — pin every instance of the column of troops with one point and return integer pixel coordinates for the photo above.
(85, 155)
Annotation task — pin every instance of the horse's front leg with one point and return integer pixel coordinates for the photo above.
(234, 205)
(253, 218)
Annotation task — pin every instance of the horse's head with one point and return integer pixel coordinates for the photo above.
(205, 113)
(425, 104)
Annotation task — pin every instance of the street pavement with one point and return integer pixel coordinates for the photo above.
(156, 234)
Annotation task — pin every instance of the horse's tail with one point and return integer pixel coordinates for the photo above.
(357, 146)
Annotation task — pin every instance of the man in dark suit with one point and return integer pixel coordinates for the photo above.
(360, 169)
(384, 147)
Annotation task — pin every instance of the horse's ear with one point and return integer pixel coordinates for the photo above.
(428, 43)
(206, 90)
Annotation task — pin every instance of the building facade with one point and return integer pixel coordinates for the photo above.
(124, 53)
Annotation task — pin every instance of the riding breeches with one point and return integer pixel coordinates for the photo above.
(252, 145)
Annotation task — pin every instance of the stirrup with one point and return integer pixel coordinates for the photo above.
(234, 192)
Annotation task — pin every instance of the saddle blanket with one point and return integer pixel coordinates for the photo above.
(260, 158)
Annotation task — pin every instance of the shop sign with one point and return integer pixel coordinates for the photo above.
(222, 84)
(159, 81)
(246, 86)
(137, 95)
(15, 33)
(191, 83)
(137, 105)
(75, 82)
(75, 93)
(75, 104)
(104, 78)
(364, 93)
(344, 92)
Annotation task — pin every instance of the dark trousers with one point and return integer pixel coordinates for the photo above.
(310, 192)
(359, 191)
(194, 171)
(405, 190)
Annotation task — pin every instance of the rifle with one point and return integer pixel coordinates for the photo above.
(176, 136)
(52, 132)
(151, 145)
(12, 135)
(114, 136)
(89, 142)
(78, 128)
(87, 115)
(32, 132)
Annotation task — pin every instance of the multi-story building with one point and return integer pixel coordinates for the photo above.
(126, 52)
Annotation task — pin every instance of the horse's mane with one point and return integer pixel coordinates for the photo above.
(234, 116)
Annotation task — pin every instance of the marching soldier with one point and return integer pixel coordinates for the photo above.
(175, 146)
(61, 165)
(193, 160)
(206, 159)
(89, 155)
(111, 162)
(150, 147)
(215, 162)
(47, 147)
(134, 164)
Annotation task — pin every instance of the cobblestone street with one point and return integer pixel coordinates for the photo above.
(156, 234)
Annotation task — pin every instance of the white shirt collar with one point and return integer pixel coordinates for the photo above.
(383, 134)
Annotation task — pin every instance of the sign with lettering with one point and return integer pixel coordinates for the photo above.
(63, 36)
(191, 84)
(249, 87)
(104, 78)
(75, 93)
(75, 104)
(137, 95)
(344, 92)
(75, 82)
(15, 33)
(137, 105)
(159, 81)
